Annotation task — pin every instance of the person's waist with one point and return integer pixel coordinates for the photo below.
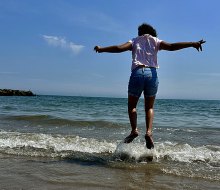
(144, 66)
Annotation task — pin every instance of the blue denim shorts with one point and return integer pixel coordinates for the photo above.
(143, 79)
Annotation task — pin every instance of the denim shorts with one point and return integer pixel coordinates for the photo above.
(143, 79)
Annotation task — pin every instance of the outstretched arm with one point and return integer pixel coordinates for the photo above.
(181, 45)
(114, 49)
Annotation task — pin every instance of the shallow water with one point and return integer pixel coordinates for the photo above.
(55, 142)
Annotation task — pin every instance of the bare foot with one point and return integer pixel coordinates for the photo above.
(149, 141)
(131, 137)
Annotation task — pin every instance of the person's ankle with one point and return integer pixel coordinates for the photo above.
(149, 133)
(134, 131)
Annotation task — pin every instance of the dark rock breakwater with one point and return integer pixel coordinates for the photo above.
(10, 92)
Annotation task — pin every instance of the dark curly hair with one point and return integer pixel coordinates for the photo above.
(146, 29)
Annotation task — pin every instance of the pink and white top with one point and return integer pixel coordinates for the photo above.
(144, 51)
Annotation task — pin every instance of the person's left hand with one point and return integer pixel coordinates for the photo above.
(198, 45)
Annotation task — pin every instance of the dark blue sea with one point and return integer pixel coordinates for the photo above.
(60, 142)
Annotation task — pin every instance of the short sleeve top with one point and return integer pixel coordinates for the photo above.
(144, 51)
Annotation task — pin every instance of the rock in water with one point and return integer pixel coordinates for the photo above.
(10, 92)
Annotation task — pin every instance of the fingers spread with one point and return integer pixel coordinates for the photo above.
(202, 41)
(200, 47)
(200, 44)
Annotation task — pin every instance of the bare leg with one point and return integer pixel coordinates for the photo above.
(149, 111)
(132, 112)
(132, 103)
(149, 105)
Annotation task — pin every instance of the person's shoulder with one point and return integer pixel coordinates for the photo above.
(136, 38)
(156, 39)
(139, 38)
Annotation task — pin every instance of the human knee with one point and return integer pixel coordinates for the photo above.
(132, 110)
(149, 111)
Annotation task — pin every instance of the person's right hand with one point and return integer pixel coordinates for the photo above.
(97, 48)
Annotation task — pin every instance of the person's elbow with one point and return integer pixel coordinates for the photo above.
(120, 49)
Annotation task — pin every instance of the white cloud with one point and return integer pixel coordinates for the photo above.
(63, 43)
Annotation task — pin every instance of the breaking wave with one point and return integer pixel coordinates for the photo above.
(175, 159)
(34, 144)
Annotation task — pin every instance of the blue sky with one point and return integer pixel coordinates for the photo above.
(47, 46)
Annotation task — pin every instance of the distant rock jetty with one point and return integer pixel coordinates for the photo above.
(9, 92)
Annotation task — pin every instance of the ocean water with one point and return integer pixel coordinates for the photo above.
(58, 142)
